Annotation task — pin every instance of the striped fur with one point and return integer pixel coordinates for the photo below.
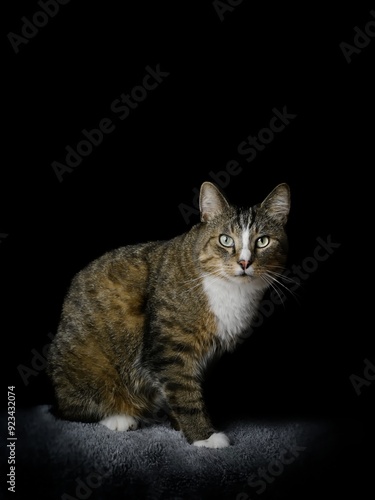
(140, 324)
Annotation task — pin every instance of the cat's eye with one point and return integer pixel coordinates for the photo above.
(226, 241)
(262, 241)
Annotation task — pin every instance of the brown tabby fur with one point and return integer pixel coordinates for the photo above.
(137, 329)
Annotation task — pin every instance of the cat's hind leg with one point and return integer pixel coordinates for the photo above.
(120, 422)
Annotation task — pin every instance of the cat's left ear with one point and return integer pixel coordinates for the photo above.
(211, 201)
(277, 202)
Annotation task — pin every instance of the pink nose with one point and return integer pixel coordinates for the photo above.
(244, 264)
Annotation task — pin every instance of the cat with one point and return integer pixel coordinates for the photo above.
(140, 324)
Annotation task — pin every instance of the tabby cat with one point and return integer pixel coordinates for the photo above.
(140, 324)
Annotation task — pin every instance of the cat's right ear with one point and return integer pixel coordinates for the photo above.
(211, 201)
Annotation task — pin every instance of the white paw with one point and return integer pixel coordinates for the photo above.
(120, 422)
(216, 440)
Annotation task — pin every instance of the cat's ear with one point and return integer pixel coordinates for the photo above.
(211, 201)
(277, 202)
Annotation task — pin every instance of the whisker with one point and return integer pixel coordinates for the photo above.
(283, 277)
(190, 280)
(212, 276)
(269, 281)
(280, 284)
(276, 280)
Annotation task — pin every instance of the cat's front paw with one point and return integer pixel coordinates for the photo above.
(216, 440)
(120, 422)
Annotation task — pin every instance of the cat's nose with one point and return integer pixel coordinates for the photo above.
(244, 264)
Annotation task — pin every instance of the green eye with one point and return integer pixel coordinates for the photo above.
(226, 240)
(262, 241)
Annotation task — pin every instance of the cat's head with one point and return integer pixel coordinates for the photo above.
(248, 244)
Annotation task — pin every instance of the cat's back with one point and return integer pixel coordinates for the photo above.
(128, 276)
(127, 266)
(111, 287)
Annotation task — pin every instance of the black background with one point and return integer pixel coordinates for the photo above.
(225, 78)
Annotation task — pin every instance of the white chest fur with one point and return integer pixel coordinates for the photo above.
(234, 305)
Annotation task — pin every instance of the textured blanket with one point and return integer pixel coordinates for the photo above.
(57, 459)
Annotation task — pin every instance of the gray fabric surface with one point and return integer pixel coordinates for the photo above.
(60, 459)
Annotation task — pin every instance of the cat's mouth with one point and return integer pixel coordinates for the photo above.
(247, 273)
